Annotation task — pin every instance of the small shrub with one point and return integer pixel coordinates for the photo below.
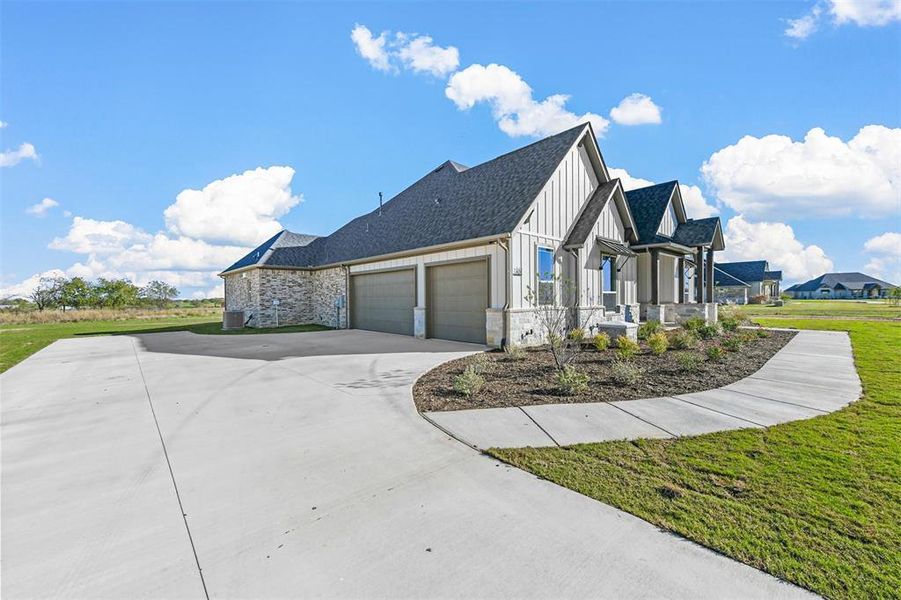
(732, 344)
(601, 341)
(763, 333)
(479, 362)
(747, 337)
(658, 343)
(715, 353)
(708, 332)
(648, 328)
(514, 352)
(572, 381)
(469, 382)
(625, 373)
(682, 340)
(689, 361)
(577, 334)
(626, 348)
(757, 299)
(729, 324)
(693, 324)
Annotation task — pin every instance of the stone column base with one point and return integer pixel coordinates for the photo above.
(419, 322)
(494, 327)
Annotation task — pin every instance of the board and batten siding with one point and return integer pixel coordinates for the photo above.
(609, 225)
(669, 222)
(496, 268)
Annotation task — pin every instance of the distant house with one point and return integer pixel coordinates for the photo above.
(763, 284)
(842, 286)
(728, 289)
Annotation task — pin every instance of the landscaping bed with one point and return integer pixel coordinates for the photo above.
(532, 378)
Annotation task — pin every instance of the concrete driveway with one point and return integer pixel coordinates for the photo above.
(294, 465)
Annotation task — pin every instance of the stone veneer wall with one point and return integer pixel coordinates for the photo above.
(734, 295)
(292, 289)
(242, 292)
(327, 287)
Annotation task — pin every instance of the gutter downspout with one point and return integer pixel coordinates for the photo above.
(508, 280)
(578, 286)
(346, 299)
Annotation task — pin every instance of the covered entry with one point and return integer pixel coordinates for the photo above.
(456, 299)
(383, 301)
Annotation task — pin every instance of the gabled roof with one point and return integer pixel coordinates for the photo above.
(450, 204)
(723, 279)
(590, 213)
(700, 232)
(648, 205)
(777, 275)
(851, 281)
(793, 288)
(749, 271)
(280, 241)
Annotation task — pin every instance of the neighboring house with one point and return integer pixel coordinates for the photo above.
(842, 286)
(462, 254)
(728, 289)
(763, 283)
(675, 255)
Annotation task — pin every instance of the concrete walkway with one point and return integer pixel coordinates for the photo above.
(812, 375)
(176, 465)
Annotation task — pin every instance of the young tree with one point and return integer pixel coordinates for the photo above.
(76, 293)
(561, 323)
(159, 293)
(48, 292)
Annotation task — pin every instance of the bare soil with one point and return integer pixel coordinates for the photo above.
(532, 379)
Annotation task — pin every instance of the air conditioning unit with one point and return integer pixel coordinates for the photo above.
(233, 319)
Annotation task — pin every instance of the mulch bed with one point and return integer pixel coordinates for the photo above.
(532, 380)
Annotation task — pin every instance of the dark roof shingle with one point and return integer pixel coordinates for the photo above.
(648, 204)
(852, 281)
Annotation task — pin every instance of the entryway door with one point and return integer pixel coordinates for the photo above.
(456, 299)
(383, 301)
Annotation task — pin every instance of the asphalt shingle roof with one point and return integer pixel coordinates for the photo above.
(648, 204)
(280, 241)
(749, 271)
(723, 279)
(450, 204)
(584, 226)
(696, 232)
(851, 281)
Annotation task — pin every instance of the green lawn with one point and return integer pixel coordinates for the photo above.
(18, 342)
(826, 308)
(815, 502)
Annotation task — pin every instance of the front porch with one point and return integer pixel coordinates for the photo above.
(678, 284)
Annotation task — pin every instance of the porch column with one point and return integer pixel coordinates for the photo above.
(655, 283)
(680, 264)
(699, 275)
(710, 274)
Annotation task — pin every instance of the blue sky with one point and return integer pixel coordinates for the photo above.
(125, 106)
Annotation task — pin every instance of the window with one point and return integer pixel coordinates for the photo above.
(545, 276)
(608, 273)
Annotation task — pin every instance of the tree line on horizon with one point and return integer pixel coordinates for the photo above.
(79, 293)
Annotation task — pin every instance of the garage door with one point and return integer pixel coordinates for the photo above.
(383, 301)
(457, 296)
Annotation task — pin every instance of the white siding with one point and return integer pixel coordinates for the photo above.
(497, 262)
(668, 222)
(610, 226)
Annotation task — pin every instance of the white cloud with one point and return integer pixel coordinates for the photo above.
(775, 177)
(87, 236)
(3, 124)
(372, 48)
(240, 209)
(512, 105)
(864, 13)
(217, 291)
(776, 243)
(885, 262)
(40, 209)
(11, 158)
(696, 205)
(636, 109)
(23, 288)
(419, 54)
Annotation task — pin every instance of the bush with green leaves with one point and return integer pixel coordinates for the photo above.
(577, 334)
(693, 324)
(729, 323)
(648, 328)
(689, 361)
(732, 344)
(747, 337)
(572, 381)
(514, 352)
(479, 362)
(469, 382)
(763, 333)
(708, 332)
(715, 353)
(625, 372)
(601, 341)
(682, 339)
(658, 343)
(626, 348)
